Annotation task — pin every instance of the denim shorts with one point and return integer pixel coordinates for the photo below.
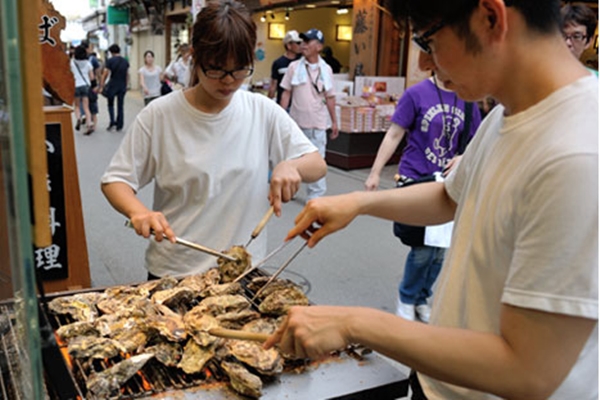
(82, 91)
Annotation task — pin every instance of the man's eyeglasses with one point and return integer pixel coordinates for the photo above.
(423, 40)
(236, 74)
(576, 37)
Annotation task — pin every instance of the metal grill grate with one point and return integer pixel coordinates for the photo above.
(12, 355)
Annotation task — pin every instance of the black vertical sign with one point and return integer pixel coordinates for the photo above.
(52, 261)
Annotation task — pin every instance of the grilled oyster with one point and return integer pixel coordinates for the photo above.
(102, 384)
(121, 298)
(132, 340)
(81, 307)
(94, 347)
(216, 305)
(201, 281)
(111, 324)
(168, 354)
(232, 269)
(222, 289)
(177, 298)
(237, 319)
(241, 380)
(167, 282)
(81, 328)
(274, 286)
(167, 323)
(198, 324)
(267, 362)
(195, 357)
(280, 301)
(262, 325)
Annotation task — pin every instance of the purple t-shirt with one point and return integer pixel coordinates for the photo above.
(428, 147)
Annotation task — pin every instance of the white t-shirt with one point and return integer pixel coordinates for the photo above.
(526, 228)
(180, 69)
(83, 78)
(210, 172)
(151, 80)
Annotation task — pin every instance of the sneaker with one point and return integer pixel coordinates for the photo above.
(423, 312)
(406, 311)
(111, 128)
(78, 125)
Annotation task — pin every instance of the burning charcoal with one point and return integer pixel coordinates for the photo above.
(237, 319)
(198, 325)
(102, 384)
(221, 289)
(121, 299)
(241, 380)
(176, 298)
(195, 357)
(216, 305)
(232, 269)
(200, 282)
(168, 354)
(280, 301)
(81, 307)
(99, 348)
(168, 282)
(82, 328)
(167, 323)
(267, 362)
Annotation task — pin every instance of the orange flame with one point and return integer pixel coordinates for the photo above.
(145, 384)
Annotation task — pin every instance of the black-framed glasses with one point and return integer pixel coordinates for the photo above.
(236, 74)
(423, 40)
(576, 37)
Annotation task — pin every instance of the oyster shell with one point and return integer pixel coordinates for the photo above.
(168, 354)
(216, 305)
(167, 282)
(237, 319)
(274, 286)
(280, 301)
(94, 347)
(121, 298)
(201, 281)
(241, 380)
(102, 384)
(195, 357)
(267, 362)
(177, 298)
(80, 328)
(81, 307)
(232, 269)
(132, 340)
(222, 289)
(167, 323)
(197, 325)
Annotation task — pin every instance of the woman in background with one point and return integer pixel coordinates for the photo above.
(150, 78)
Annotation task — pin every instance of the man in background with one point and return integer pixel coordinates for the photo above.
(308, 82)
(291, 42)
(578, 26)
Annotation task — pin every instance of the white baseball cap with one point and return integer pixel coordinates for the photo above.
(292, 36)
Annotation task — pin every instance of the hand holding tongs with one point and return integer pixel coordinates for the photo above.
(193, 245)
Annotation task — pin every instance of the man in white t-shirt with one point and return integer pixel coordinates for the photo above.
(309, 83)
(515, 313)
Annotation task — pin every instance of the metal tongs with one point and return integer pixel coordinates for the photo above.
(192, 245)
(279, 270)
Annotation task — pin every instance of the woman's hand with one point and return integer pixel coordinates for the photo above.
(285, 182)
(152, 222)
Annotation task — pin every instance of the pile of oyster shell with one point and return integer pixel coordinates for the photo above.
(168, 320)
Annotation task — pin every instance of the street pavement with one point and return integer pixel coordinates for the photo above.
(358, 266)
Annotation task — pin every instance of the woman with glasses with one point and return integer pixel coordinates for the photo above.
(209, 150)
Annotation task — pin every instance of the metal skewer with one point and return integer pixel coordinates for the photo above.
(260, 225)
(193, 245)
(279, 271)
(263, 261)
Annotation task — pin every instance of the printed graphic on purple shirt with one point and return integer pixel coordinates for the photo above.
(433, 128)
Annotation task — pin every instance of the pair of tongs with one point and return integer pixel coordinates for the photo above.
(192, 245)
(260, 225)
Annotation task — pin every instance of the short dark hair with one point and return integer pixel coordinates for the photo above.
(223, 29)
(543, 18)
(148, 52)
(114, 49)
(80, 53)
(580, 15)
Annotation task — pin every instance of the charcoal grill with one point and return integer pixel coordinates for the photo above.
(349, 375)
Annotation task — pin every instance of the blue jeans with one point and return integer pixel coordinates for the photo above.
(318, 137)
(423, 265)
(120, 120)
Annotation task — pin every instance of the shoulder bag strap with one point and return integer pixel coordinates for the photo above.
(463, 139)
(85, 80)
